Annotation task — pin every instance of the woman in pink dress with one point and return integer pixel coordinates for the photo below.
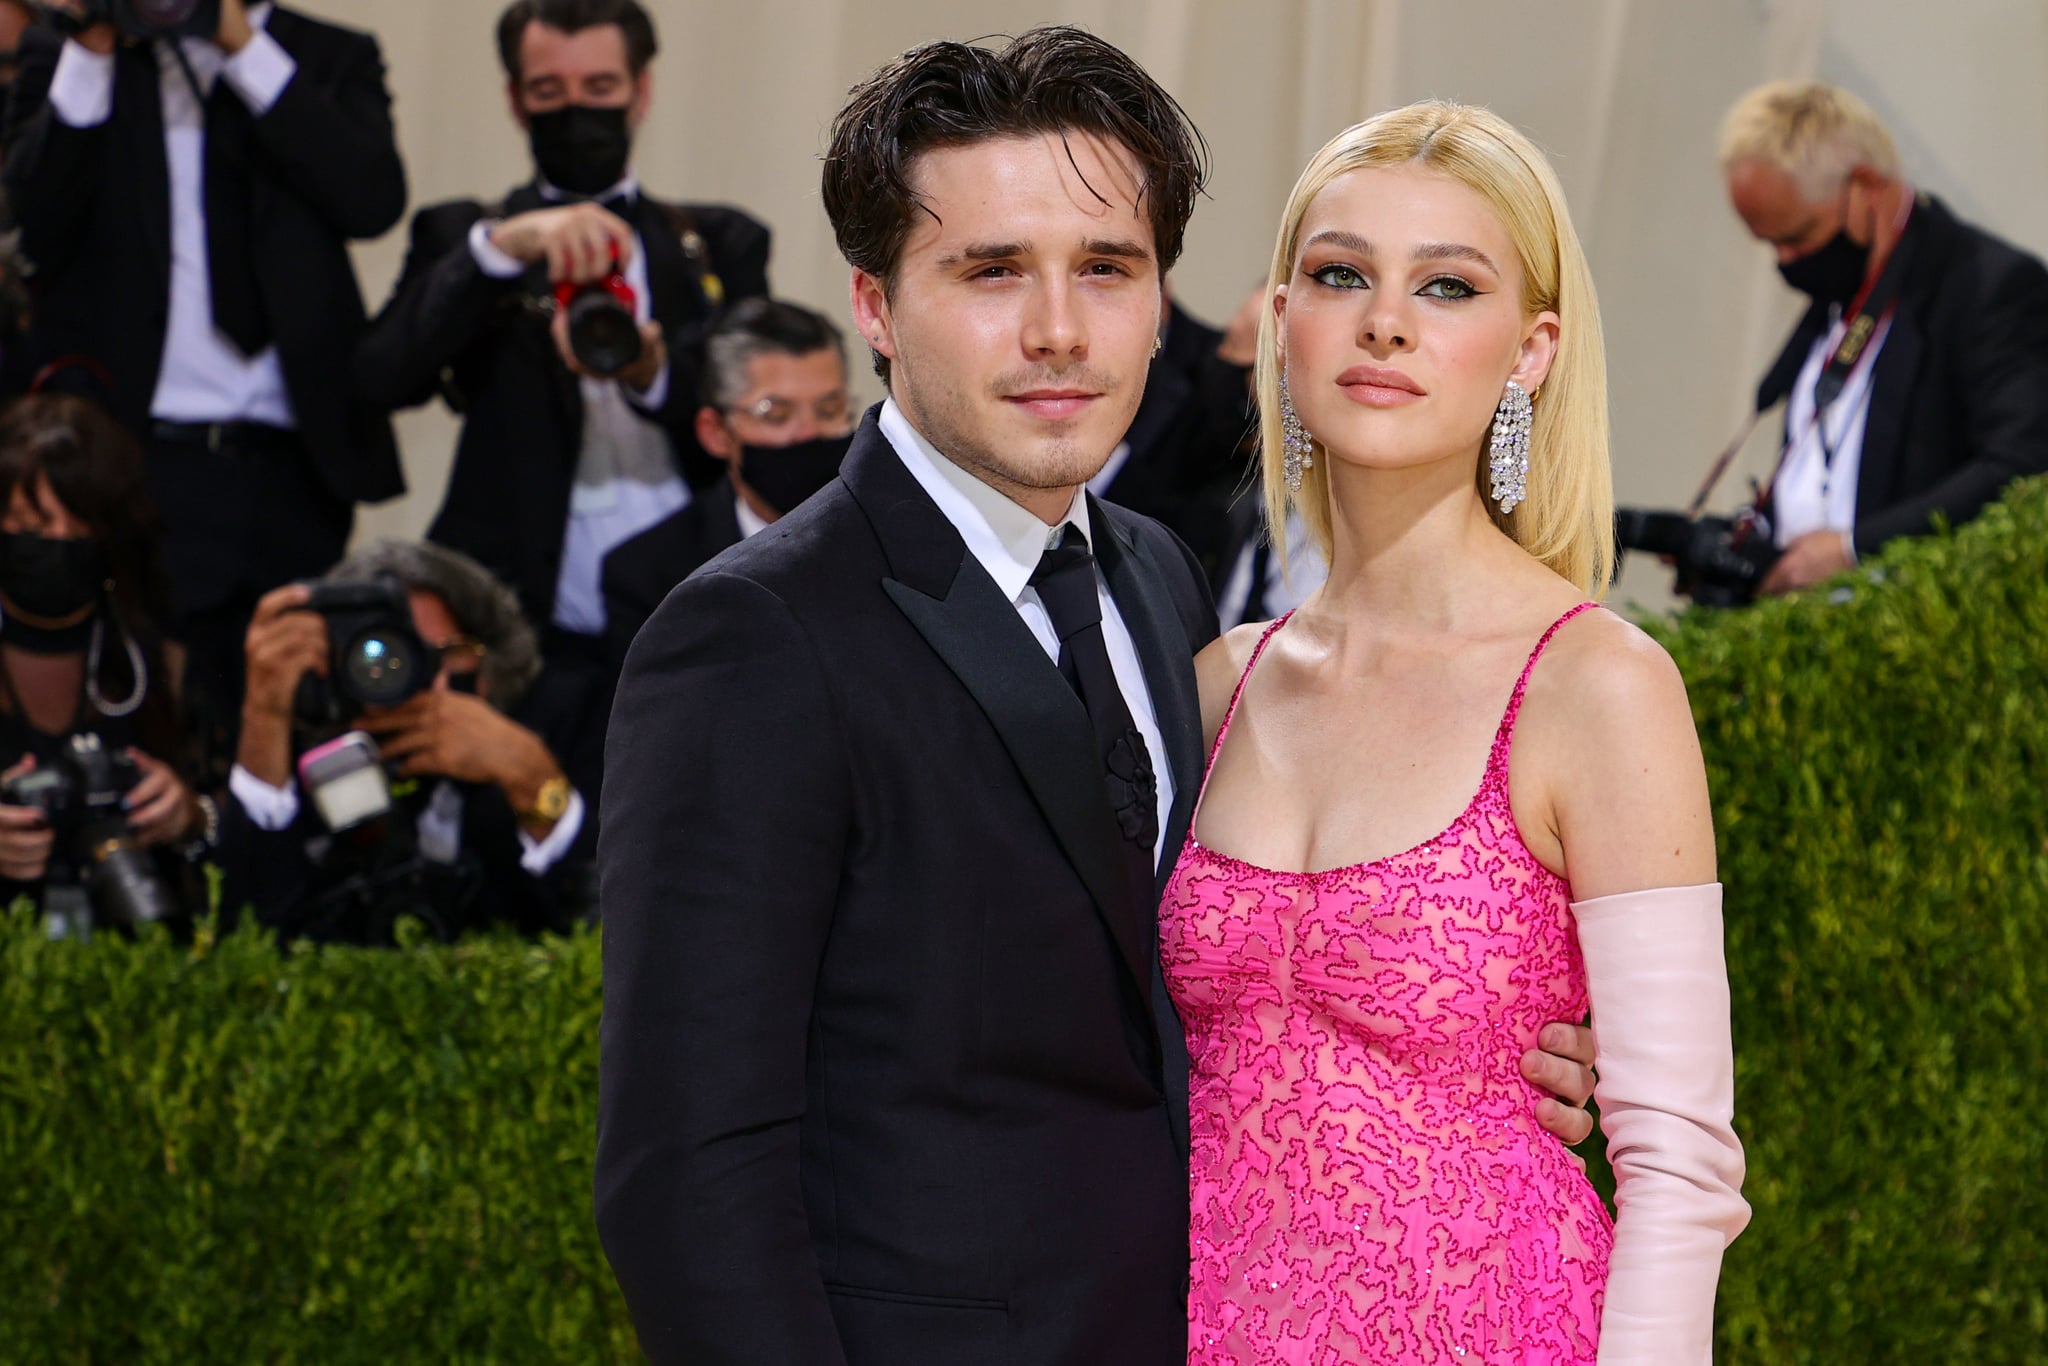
(1362, 945)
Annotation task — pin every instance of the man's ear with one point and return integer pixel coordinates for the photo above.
(871, 314)
(713, 437)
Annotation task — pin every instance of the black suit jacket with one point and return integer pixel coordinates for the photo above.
(639, 573)
(888, 1078)
(1959, 394)
(1184, 468)
(452, 330)
(95, 213)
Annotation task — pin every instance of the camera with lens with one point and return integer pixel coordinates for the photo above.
(375, 657)
(157, 18)
(604, 333)
(1720, 560)
(97, 871)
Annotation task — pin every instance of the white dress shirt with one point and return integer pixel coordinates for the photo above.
(1810, 494)
(626, 477)
(439, 827)
(204, 377)
(1288, 583)
(1008, 541)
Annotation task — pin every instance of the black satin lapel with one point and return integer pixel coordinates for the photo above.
(1139, 588)
(977, 632)
(1893, 377)
(139, 111)
(668, 275)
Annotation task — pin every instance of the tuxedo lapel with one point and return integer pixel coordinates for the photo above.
(1135, 582)
(961, 613)
(671, 297)
(1893, 377)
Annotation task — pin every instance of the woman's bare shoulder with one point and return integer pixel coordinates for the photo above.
(1218, 667)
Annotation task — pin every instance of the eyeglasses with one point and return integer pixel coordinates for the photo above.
(832, 414)
(462, 654)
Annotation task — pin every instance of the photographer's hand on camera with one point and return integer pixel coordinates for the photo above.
(444, 734)
(235, 30)
(161, 808)
(25, 834)
(99, 37)
(283, 645)
(578, 242)
(1808, 560)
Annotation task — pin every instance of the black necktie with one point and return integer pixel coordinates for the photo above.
(1065, 580)
(230, 262)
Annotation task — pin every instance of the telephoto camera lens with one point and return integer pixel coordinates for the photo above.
(602, 332)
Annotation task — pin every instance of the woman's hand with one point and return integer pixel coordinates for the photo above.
(25, 835)
(161, 808)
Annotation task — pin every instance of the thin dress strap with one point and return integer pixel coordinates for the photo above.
(1497, 760)
(1237, 694)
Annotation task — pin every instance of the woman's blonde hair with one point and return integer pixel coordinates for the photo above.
(1567, 518)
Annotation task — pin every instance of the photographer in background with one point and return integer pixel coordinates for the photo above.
(1918, 378)
(82, 658)
(573, 438)
(485, 823)
(776, 411)
(187, 202)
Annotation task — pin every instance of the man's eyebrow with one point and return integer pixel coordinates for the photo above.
(1427, 251)
(1128, 248)
(985, 251)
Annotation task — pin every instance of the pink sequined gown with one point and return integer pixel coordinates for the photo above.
(1368, 1182)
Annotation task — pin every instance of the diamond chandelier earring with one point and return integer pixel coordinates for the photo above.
(1295, 445)
(1508, 456)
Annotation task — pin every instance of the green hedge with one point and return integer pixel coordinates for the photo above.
(222, 1153)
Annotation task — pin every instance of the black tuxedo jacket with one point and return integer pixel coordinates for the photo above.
(1184, 468)
(1959, 394)
(452, 330)
(888, 1076)
(95, 213)
(639, 573)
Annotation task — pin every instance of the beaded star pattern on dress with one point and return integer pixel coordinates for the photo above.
(1367, 1181)
(1508, 458)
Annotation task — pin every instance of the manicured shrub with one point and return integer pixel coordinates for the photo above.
(222, 1152)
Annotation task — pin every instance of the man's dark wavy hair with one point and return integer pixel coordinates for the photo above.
(1055, 79)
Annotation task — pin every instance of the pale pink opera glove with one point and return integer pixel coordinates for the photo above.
(1666, 1090)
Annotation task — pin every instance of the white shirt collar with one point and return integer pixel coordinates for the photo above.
(1006, 538)
(626, 188)
(751, 522)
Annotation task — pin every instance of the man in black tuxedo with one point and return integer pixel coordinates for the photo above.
(187, 206)
(776, 411)
(1926, 342)
(889, 1076)
(556, 464)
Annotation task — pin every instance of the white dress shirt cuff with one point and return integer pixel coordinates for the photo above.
(654, 395)
(271, 808)
(489, 259)
(259, 72)
(82, 87)
(544, 854)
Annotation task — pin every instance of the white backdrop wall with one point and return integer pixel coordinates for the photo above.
(1626, 96)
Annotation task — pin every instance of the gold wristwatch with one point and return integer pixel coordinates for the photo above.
(551, 802)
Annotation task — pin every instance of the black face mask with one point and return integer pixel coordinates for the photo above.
(786, 475)
(47, 577)
(1833, 272)
(580, 148)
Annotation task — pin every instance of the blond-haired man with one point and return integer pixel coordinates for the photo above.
(1917, 382)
